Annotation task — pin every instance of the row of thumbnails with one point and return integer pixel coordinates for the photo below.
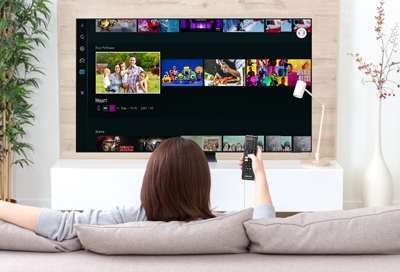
(269, 143)
(204, 25)
(120, 78)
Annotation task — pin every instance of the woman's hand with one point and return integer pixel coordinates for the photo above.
(257, 163)
(261, 190)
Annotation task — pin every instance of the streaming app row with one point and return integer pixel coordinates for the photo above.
(268, 143)
(127, 73)
(300, 26)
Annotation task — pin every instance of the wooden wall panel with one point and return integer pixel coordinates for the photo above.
(325, 15)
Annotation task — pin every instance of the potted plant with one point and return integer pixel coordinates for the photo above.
(23, 27)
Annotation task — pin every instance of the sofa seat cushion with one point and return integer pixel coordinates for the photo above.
(359, 231)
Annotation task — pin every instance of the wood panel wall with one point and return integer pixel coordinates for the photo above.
(325, 16)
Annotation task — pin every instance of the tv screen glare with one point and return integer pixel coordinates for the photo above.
(141, 81)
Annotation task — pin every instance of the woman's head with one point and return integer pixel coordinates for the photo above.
(177, 182)
(117, 68)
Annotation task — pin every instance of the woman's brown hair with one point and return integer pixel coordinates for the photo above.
(177, 182)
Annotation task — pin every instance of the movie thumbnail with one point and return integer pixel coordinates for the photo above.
(282, 81)
(127, 72)
(273, 143)
(115, 143)
(301, 23)
(277, 143)
(182, 72)
(286, 143)
(272, 76)
(302, 143)
(169, 25)
(251, 67)
(158, 25)
(273, 25)
(299, 69)
(286, 25)
(202, 25)
(243, 25)
(116, 25)
(251, 81)
(150, 143)
(236, 143)
(207, 143)
(148, 25)
(224, 72)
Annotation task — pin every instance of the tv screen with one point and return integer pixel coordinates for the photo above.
(141, 81)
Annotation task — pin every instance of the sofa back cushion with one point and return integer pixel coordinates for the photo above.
(359, 231)
(223, 234)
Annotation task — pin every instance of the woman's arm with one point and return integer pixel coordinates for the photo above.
(20, 215)
(58, 225)
(261, 190)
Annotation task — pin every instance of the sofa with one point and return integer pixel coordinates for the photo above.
(366, 239)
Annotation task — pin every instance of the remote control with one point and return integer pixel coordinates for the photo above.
(250, 147)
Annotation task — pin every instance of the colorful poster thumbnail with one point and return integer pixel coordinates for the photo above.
(201, 25)
(277, 72)
(115, 143)
(182, 72)
(207, 143)
(127, 72)
(243, 25)
(116, 25)
(237, 143)
(158, 25)
(299, 69)
(224, 72)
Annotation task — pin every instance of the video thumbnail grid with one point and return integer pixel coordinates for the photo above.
(272, 25)
(208, 143)
(131, 75)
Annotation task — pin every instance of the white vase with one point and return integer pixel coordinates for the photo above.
(377, 185)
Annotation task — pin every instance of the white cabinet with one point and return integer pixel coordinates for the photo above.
(98, 184)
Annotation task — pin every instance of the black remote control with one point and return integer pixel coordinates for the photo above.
(250, 147)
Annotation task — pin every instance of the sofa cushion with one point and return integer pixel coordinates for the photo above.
(222, 234)
(359, 231)
(13, 237)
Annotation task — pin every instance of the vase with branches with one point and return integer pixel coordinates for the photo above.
(23, 28)
(377, 185)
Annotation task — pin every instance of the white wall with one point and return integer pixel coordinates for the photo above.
(355, 101)
(355, 110)
(31, 185)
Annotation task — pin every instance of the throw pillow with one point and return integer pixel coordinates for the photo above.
(13, 237)
(222, 234)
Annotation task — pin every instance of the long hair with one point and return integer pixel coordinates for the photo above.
(177, 182)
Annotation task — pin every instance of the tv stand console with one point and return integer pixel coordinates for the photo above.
(78, 184)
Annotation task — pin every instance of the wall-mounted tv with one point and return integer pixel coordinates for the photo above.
(140, 81)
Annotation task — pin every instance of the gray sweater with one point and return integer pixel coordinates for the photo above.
(58, 225)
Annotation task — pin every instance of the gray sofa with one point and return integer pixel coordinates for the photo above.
(87, 261)
(356, 240)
